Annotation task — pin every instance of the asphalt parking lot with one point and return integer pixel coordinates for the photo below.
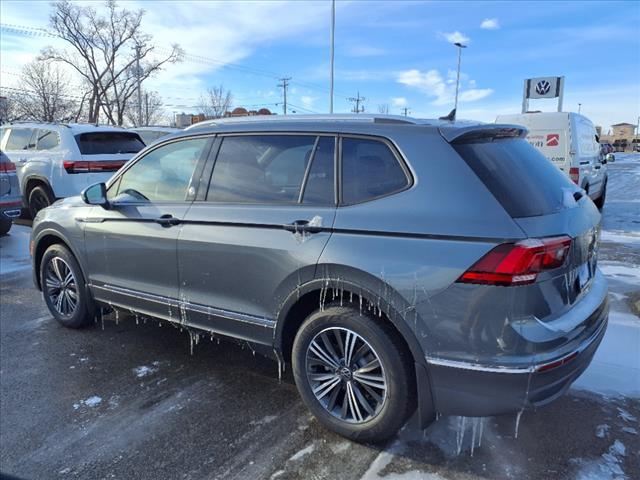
(128, 399)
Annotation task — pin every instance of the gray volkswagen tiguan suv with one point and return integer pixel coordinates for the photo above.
(395, 263)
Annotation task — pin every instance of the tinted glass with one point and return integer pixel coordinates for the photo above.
(164, 174)
(47, 139)
(319, 189)
(260, 168)
(369, 170)
(150, 136)
(19, 139)
(109, 143)
(520, 177)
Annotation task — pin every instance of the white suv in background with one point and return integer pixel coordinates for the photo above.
(56, 160)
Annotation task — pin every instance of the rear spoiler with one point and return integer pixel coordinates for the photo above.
(453, 134)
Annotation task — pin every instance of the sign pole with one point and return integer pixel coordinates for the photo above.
(561, 93)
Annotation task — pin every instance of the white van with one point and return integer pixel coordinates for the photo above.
(57, 160)
(569, 141)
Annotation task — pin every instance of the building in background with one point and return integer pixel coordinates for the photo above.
(623, 137)
(183, 120)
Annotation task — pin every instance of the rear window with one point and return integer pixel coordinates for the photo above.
(109, 143)
(520, 177)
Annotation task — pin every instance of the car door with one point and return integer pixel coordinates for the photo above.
(131, 247)
(257, 233)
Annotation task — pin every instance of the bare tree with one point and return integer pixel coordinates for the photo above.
(44, 94)
(153, 112)
(110, 52)
(383, 108)
(215, 102)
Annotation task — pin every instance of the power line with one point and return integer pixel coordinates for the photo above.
(42, 32)
(357, 100)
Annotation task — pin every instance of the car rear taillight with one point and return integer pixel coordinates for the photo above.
(518, 263)
(6, 167)
(92, 167)
(574, 175)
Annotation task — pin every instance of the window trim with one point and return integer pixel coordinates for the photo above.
(395, 151)
(196, 176)
(220, 137)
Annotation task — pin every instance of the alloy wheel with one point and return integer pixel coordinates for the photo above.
(61, 287)
(346, 375)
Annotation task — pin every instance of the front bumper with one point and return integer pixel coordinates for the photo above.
(464, 388)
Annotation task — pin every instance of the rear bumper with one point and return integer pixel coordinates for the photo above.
(463, 388)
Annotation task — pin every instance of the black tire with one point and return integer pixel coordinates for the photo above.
(601, 199)
(396, 372)
(57, 263)
(39, 197)
(5, 225)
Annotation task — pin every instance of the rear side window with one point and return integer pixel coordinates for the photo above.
(260, 168)
(518, 175)
(369, 170)
(19, 139)
(109, 143)
(47, 140)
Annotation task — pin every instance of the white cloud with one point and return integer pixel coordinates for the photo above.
(456, 37)
(399, 102)
(490, 24)
(307, 101)
(364, 51)
(442, 90)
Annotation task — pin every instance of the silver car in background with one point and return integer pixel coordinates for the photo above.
(10, 198)
(395, 263)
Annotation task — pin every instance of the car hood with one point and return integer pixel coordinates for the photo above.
(69, 202)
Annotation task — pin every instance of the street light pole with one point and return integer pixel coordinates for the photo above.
(579, 107)
(460, 47)
(333, 28)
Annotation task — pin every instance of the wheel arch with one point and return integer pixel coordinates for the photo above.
(306, 299)
(32, 181)
(42, 242)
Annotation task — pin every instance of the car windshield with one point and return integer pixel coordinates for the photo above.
(109, 143)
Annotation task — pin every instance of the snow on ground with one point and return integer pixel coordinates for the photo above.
(14, 250)
(611, 383)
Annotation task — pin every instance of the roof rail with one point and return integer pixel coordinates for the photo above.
(341, 117)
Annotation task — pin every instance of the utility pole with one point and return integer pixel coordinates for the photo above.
(146, 108)
(455, 106)
(284, 84)
(357, 100)
(579, 107)
(138, 74)
(333, 27)
(405, 111)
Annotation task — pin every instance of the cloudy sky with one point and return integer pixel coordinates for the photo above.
(395, 53)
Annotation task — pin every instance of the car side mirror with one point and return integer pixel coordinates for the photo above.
(610, 157)
(96, 195)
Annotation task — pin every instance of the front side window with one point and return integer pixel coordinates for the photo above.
(369, 170)
(19, 139)
(47, 140)
(260, 168)
(163, 175)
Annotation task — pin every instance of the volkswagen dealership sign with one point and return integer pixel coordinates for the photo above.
(542, 87)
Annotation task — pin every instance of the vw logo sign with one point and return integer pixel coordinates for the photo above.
(543, 87)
